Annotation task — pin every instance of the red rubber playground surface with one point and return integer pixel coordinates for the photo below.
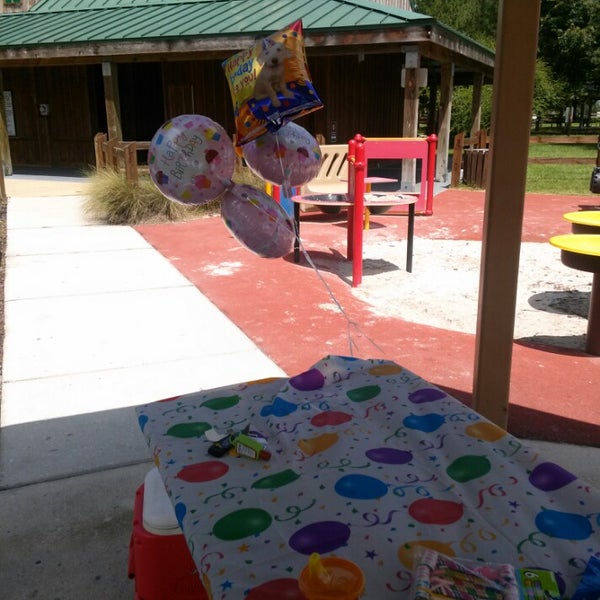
(287, 310)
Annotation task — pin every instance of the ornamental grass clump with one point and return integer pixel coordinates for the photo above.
(113, 200)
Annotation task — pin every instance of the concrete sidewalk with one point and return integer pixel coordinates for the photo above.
(97, 321)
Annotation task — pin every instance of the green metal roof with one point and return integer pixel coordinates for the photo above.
(52, 22)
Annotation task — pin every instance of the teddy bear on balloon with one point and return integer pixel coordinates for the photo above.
(192, 159)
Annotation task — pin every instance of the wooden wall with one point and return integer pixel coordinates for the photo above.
(369, 101)
(359, 96)
(62, 135)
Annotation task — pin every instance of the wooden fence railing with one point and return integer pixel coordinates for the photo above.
(118, 155)
(470, 155)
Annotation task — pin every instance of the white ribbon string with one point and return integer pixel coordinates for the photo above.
(350, 324)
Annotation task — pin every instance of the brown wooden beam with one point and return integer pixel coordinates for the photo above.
(437, 43)
(476, 103)
(511, 121)
(446, 87)
(5, 157)
(111, 100)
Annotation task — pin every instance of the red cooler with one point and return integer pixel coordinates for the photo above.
(159, 559)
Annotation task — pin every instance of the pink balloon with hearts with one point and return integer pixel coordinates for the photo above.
(191, 159)
(291, 156)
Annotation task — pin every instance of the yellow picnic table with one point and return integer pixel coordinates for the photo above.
(582, 252)
(584, 221)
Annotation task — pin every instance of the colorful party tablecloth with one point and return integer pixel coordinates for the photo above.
(368, 460)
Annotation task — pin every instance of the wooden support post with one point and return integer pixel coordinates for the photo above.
(111, 155)
(476, 103)
(514, 71)
(112, 102)
(130, 159)
(446, 87)
(99, 142)
(5, 158)
(457, 156)
(410, 126)
(2, 186)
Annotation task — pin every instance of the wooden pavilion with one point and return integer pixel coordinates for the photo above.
(72, 68)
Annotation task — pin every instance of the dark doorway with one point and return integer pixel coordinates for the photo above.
(141, 99)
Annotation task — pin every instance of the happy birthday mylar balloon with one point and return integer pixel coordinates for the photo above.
(270, 83)
(191, 159)
(289, 156)
(257, 221)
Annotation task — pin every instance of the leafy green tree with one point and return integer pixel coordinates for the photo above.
(473, 18)
(548, 93)
(462, 99)
(568, 67)
(569, 42)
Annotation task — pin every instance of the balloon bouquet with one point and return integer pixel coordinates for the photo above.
(192, 159)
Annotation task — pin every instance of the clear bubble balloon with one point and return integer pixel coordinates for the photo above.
(257, 221)
(191, 159)
(289, 156)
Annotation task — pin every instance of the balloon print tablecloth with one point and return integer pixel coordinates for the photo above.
(368, 460)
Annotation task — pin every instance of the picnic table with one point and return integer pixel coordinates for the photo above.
(368, 460)
(582, 252)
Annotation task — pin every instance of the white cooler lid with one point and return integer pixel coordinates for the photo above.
(158, 513)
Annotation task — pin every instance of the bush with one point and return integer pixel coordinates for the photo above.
(113, 200)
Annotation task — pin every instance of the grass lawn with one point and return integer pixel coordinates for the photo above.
(561, 179)
(562, 151)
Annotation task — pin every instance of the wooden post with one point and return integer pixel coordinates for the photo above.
(476, 103)
(457, 156)
(432, 123)
(130, 159)
(111, 100)
(2, 186)
(410, 125)
(446, 87)
(111, 155)
(504, 203)
(482, 139)
(99, 142)
(5, 158)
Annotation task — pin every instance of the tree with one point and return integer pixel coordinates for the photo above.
(568, 43)
(473, 18)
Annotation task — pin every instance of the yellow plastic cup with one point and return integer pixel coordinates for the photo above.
(331, 578)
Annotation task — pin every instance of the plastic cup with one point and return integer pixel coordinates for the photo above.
(331, 578)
